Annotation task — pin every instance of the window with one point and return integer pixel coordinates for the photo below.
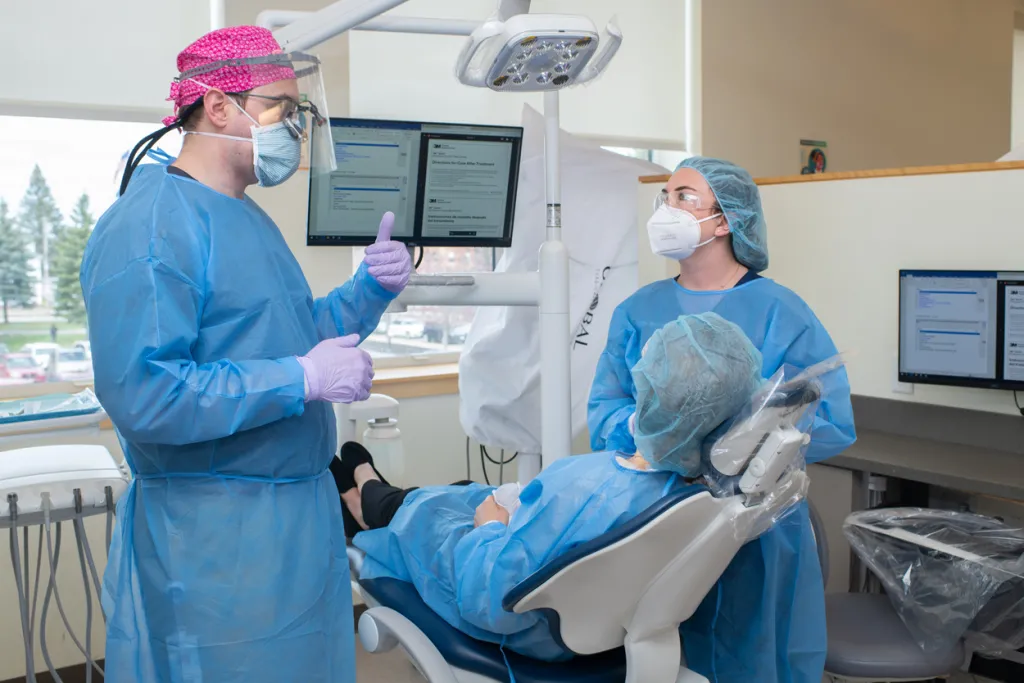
(663, 157)
(57, 176)
(429, 334)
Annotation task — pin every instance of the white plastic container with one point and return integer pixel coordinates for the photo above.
(384, 441)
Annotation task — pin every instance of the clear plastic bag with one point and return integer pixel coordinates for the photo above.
(949, 575)
(760, 452)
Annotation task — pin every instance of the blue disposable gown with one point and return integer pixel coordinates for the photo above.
(765, 619)
(228, 565)
(463, 573)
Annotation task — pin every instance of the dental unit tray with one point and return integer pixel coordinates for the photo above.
(49, 407)
(27, 420)
(57, 472)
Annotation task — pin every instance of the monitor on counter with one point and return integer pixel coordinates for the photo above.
(962, 328)
(447, 184)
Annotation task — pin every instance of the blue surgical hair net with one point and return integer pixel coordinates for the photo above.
(740, 200)
(696, 373)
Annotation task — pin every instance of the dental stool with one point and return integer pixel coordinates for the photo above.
(868, 643)
(617, 601)
(954, 581)
(867, 640)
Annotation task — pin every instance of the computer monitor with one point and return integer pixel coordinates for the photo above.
(447, 184)
(962, 328)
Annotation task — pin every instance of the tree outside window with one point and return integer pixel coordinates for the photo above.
(57, 176)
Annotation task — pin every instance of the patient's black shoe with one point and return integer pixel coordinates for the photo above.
(354, 454)
(344, 477)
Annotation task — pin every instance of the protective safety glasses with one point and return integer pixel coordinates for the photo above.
(685, 199)
(307, 118)
(289, 112)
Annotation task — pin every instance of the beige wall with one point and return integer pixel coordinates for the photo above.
(886, 84)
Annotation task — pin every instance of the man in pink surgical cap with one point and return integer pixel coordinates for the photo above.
(218, 368)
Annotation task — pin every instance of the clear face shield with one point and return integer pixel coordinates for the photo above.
(306, 117)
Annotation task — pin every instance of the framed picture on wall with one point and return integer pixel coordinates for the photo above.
(813, 156)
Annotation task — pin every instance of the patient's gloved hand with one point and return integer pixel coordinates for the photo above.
(337, 371)
(489, 511)
(507, 496)
(389, 261)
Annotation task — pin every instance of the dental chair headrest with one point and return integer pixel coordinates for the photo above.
(779, 408)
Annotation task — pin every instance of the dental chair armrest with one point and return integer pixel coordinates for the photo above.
(355, 560)
(382, 629)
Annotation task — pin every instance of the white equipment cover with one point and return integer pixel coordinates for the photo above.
(499, 372)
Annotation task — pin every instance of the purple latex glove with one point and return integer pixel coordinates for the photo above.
(388, 261)
(337, 372)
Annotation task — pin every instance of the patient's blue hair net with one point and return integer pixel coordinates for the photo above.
(740, 200)
(695, 373)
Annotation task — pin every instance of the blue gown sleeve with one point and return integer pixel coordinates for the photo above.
(143, 322)
(833, 429)
(354, 308)
(611, 396)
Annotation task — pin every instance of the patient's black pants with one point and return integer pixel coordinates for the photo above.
(380, 503)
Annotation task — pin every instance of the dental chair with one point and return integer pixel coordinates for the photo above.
(650, 574)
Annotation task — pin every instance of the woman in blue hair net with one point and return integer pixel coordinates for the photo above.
(765, 619)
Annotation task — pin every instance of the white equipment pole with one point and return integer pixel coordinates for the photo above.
(555, 337)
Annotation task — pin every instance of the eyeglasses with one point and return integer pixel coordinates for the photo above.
(679, 199)
(286, 110)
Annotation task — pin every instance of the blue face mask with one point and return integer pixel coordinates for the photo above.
(276, 151)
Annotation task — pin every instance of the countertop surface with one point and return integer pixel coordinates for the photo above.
(950, 465)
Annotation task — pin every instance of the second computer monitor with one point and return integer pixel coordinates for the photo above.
(962, 328)
(447, 184)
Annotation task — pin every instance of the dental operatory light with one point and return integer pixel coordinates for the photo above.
(536, 52)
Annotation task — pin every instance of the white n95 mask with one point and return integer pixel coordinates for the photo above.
(675, 233)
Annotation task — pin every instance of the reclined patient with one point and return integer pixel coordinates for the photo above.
(463, 551)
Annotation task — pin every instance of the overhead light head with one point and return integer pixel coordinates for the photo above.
(535, 52)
